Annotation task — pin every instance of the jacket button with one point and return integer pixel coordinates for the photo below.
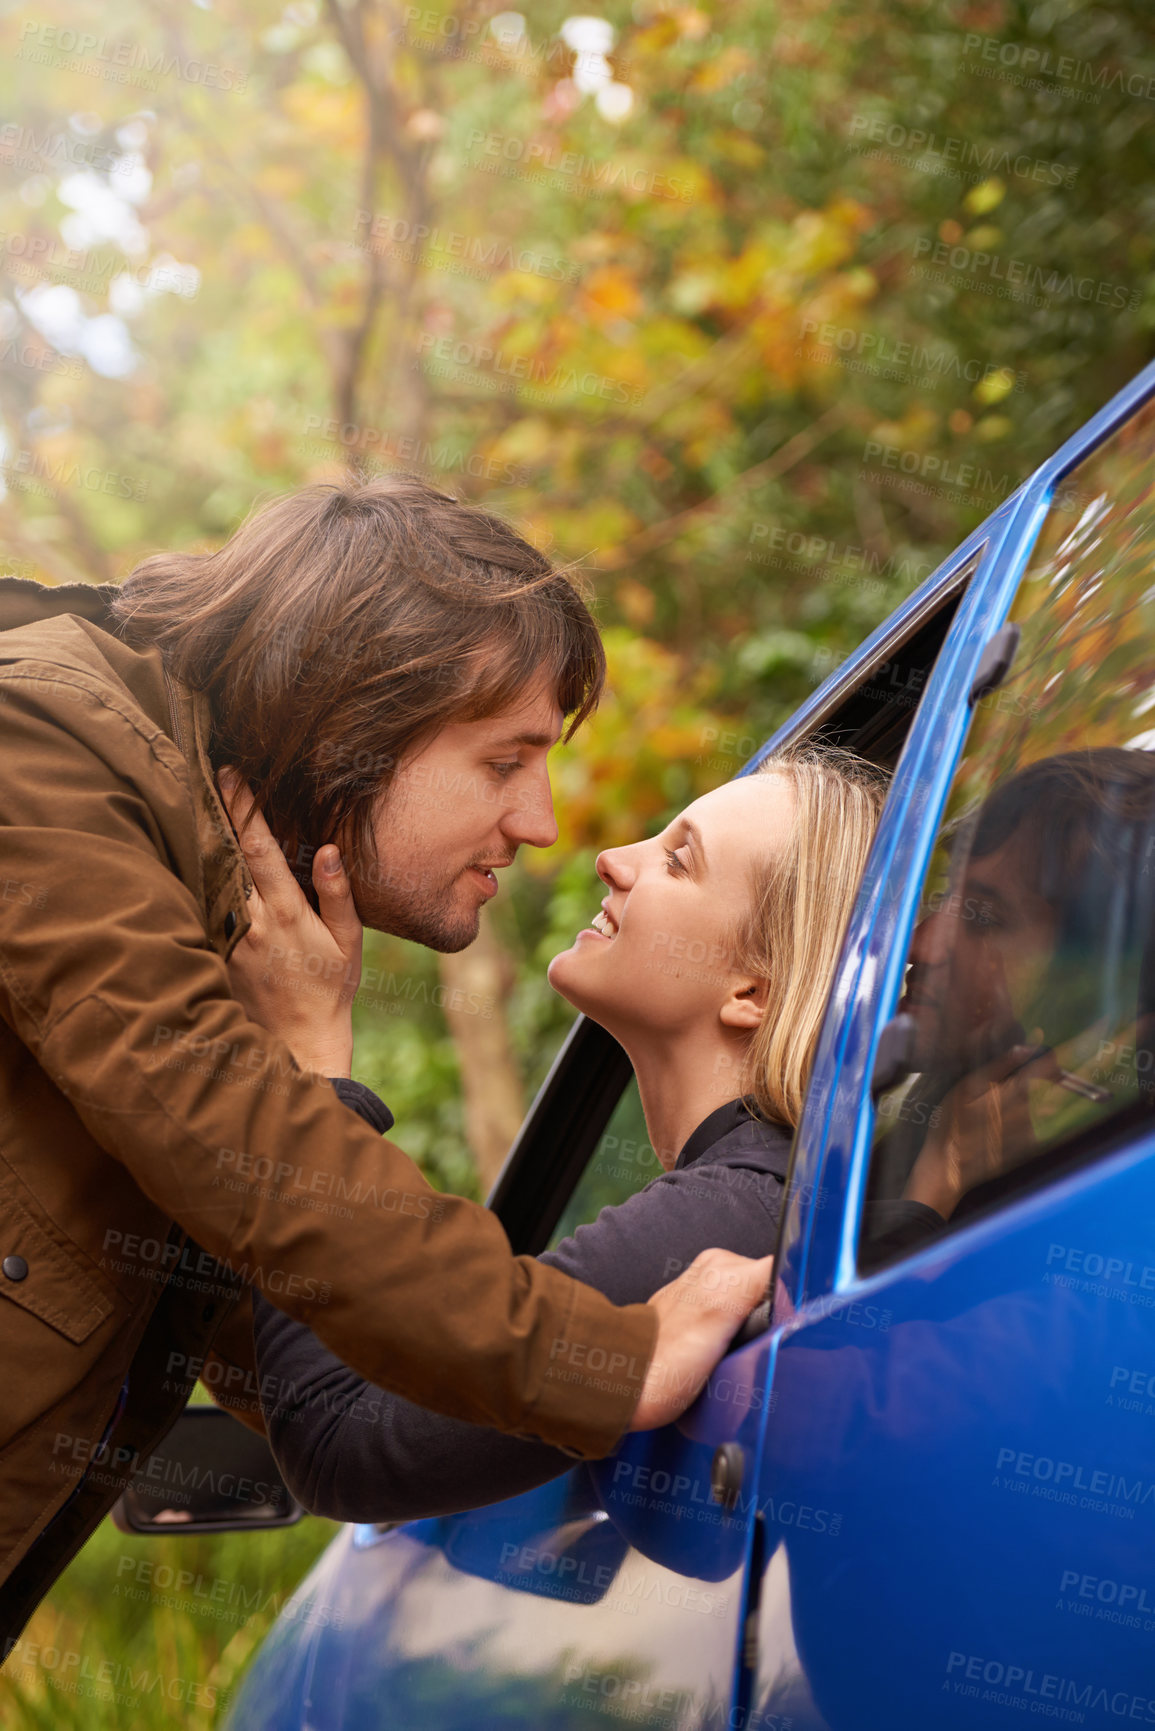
(15, 1268)
(230, 922)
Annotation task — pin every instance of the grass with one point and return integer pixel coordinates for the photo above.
(147, 1633)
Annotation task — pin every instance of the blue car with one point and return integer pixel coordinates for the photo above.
(919, 1492)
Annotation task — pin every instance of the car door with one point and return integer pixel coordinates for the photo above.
(966, 1388)
(617, 1591)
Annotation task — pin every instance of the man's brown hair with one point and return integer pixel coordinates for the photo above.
(346, 624)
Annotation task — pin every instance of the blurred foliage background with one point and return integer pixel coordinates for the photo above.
(748, 310)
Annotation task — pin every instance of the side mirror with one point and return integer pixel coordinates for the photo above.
(211, 1474)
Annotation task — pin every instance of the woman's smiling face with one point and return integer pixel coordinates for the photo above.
(659, 958)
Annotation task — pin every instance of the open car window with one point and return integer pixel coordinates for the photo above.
(1029, 993)
(622, 1162)
(584, 1145)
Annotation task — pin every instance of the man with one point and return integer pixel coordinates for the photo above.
(161, 1153)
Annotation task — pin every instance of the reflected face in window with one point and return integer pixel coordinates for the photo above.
(977, 961)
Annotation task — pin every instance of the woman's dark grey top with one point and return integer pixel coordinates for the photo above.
(357, 1453)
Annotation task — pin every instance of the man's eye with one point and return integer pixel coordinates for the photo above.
(505, 769)
(673, 863)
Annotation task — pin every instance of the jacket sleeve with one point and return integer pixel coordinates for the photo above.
(232, 1365)
(354, 1452)
(108, 977)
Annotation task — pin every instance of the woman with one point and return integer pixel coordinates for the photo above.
(757, 879)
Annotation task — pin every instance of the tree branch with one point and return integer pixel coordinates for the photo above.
(783, 459)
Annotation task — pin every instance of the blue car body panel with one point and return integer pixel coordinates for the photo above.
(947, 1516)
(543, 1609)
(967, 1419)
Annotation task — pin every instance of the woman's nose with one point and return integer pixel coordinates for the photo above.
(613, 867)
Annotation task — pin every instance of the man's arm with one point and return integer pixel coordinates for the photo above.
(355, 1452)
(230, 1369)
(109, 979)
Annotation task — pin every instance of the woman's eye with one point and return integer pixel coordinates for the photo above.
(673, 863)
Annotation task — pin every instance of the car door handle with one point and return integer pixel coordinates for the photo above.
(727, 1470)
(755, 1324)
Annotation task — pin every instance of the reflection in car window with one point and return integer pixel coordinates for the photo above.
(622, 1163)
(1030, 983)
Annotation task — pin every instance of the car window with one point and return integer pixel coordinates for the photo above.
(1028, 1001)
(622, 1163)
(584, 1146)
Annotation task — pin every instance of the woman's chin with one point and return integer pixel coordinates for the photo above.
(558, 973)
(565, 976)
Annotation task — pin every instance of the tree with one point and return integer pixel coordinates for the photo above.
(689, 294)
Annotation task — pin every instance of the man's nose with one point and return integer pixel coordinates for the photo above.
(530, 818)
(931, 939)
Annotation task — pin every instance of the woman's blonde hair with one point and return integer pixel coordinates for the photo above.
(801, 904)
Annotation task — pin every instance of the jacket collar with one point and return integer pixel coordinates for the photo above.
(227, 883)
(732, 1116)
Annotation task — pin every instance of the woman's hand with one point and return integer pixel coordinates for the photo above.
(698, 1316)
(295, 973)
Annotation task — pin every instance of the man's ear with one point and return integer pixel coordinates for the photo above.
(745, 1004)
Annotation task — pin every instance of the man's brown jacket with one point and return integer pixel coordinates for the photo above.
(160, 1154)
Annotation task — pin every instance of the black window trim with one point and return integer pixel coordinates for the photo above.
(560, 1133)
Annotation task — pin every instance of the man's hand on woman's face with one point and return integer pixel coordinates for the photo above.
(296, 973)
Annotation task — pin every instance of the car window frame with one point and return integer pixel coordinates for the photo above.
(564, 1125)
(825, 1252)
(575, 1102)
(1081, 1147)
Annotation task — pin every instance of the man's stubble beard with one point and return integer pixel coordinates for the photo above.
(422, 915)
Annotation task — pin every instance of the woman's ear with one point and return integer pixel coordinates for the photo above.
(745, 1004)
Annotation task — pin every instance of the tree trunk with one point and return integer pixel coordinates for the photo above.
(477, 985)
